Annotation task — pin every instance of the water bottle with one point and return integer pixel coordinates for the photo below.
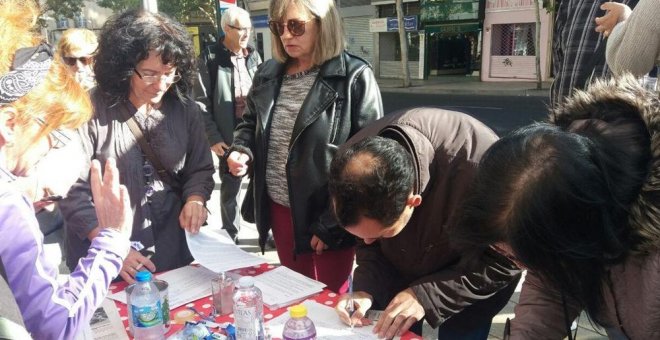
(299, 326)
(248, 310)
(146, 313)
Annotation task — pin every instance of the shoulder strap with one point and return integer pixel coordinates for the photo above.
(146, 147)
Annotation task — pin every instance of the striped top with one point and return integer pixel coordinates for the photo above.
(292, 94)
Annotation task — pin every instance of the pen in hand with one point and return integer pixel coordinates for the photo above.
(350, 306)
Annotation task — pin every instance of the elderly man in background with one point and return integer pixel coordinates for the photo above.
(225, 77)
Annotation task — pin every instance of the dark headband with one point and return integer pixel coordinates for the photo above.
(30, 66)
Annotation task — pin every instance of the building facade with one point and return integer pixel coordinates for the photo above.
(509, 41)
(453, 30)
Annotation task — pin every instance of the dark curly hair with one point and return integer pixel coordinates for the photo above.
(127, 38)
(371, 178)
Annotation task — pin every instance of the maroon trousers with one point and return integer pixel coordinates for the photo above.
(332, 267)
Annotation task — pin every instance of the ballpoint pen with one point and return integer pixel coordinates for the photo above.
(350, 307)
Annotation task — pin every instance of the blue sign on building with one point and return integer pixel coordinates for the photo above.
(409, 23)
(259, 21)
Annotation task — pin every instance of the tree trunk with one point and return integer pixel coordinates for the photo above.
(404, 44)
(537, 44)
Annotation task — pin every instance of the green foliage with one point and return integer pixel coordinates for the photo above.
(64, 8)
(119, 5)
(178, 9)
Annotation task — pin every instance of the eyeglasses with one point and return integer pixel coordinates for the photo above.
(56, 138)
(170, 79)
(71, 61)
(296, 27)
(245, 30)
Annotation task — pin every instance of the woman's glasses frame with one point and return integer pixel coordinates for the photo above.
(296, 27)
(56, 138)
(149, 80)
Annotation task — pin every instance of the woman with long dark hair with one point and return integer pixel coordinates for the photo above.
(145, 67)
(576, 202)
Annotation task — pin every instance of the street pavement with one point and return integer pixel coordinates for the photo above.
(465, 85)
(440, 85)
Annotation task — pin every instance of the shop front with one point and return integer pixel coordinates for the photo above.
(453, 35)
(510, 41)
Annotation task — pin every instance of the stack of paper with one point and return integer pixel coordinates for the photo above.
(282, 287)
(186, 284)
(215, 250)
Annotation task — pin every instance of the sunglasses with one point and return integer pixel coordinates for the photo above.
(295, 27)
(83, 60)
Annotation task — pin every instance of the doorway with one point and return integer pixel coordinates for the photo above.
(453, 53)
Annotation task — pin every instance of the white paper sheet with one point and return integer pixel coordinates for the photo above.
(105, 324)
(215, 250)
(186, 284)
(327, 323)
(282, 287)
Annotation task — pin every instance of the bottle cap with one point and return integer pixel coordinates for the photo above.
(298, 311)
(246, 281)
(143, 276)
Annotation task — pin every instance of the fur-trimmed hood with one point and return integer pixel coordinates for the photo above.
(625, 92)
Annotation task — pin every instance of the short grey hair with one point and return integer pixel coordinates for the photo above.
(330, 39)
(231, 14)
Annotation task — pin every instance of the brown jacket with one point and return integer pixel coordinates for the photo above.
(446, 148)
(632, 290)
(633, 298)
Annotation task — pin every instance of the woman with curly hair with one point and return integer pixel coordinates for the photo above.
(144, 69)
(39, 104)
(576, 202)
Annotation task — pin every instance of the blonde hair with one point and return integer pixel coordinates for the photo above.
(76, 39)
(58, 100)
(330, 39)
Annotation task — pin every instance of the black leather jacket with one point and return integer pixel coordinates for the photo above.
(344, 98)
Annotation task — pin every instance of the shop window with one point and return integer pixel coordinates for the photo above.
(514, 39)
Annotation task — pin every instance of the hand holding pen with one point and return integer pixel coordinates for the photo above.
(352, 307)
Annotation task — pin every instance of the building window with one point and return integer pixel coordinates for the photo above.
(514, 39)
(409, 8)
(392, 39)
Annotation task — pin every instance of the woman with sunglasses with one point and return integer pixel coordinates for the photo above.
(576, 202)
(77, 47)
(38, 98)
(145, 67)
(304, 103)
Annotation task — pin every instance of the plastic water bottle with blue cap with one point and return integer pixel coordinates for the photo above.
(146, 313)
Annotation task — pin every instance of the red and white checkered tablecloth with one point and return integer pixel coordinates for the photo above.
(180, 315)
